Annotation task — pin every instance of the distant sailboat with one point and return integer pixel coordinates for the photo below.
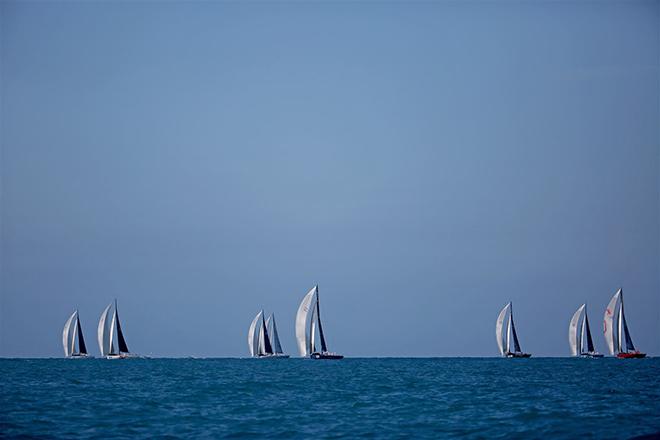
(110, 337)
(615, 327)
(310, 310)
(504, 340)
(72, 338)
(580, 340)
(275, 337)
(260, 337)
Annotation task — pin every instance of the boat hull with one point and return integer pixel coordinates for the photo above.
(631, 355)
(329, 356)
(518, 355)
(591, 355)
(273, 356)
(120, 356)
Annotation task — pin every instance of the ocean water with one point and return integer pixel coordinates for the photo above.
(352, 398)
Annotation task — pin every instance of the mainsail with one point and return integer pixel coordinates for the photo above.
(302, 337)
(516, 344)
(123, 348)
(590, 342)
(270, 323)
(629, 343)
(264, 341)
(324, 347)
(107, 330)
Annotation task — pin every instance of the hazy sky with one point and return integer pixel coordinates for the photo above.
(424, 163)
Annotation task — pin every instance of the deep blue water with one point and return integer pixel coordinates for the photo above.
(383, 398)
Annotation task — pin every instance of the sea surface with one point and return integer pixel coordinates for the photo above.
(352, 398)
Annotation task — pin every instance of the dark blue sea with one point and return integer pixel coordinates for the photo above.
(352, 398)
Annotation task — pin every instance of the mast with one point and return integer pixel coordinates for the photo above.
(312, 331)
(581, 343)
(72, 347)
(620, 324)
(113, 323)
(508, 332)
(516, 344)
(324, 347)
(121, 342)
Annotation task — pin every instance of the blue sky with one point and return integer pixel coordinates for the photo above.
(424, 163)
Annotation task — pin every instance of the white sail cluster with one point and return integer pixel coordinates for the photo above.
(109, 334)
(617, 336)
(505, 338)
(72, 337)
(309, 331)
(263, 339)
(579, 334)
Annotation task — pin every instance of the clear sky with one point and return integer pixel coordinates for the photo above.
(424, 163)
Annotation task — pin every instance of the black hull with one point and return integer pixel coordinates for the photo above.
(326, 356)
(518, 355)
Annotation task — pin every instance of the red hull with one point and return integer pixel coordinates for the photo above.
(631, 355)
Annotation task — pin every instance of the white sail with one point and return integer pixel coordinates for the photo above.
(301, 323)
(253, 335)
(573, 331)
(499, 325)
(102, 334)
(68, 335)
(609, 323)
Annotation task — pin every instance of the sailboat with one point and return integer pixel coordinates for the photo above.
(310, 310)
(615, 327)
(259, 338)
(580, 340)
(110, 337)
(504, 341)
(271, 326)
(72, 338)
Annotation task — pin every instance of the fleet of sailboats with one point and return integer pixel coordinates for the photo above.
(264, 340)
(615, 328)
(504, 339)
(309, 328)
(110, 337)
(579, 335)
(72, 338)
